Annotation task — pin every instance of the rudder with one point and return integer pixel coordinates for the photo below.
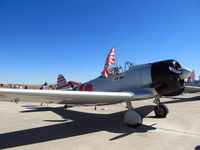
(62, 83)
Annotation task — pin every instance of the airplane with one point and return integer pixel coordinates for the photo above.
(115, 85)
(192, 85)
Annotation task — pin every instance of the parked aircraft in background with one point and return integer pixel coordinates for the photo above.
(115, 85)
(192, 85)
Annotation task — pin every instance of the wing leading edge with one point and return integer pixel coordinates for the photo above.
(192, 89)
(65, 97)
(72, 97)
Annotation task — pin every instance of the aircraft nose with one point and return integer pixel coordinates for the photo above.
(185, 73)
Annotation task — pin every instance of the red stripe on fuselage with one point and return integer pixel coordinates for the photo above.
(88, 87)
(81, 87)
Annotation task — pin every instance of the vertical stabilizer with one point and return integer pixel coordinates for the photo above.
(62, 84)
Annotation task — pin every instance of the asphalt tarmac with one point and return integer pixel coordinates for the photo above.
(29, 126)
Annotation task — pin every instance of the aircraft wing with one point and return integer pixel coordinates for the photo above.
(64, 97)
(68, 97)
(192, 89)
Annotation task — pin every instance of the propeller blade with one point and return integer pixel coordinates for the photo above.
(185, 73)
(174, 70)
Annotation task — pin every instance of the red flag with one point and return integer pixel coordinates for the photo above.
(110, 60)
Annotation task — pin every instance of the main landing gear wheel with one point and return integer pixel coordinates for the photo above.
(132, 118)
(161, 111)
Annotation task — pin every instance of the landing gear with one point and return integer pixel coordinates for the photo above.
(160, 109)
(66, 106)
(132, 117)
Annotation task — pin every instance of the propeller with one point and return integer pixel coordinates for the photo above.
(183, 73)
(174, 70)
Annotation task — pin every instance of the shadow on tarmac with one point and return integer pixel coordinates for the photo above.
(80, 123)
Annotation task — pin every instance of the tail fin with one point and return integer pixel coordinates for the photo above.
(62, 84)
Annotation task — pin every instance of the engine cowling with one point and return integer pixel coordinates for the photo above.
(166, 82)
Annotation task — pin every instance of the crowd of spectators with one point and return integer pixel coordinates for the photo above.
(14, 86)
(21, 86)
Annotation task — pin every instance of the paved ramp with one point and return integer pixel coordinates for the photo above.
(31, 126)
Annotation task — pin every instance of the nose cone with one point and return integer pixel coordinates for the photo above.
(185, 73)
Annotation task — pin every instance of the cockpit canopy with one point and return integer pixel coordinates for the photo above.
(118, 69)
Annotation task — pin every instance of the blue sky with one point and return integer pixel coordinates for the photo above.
(40, 39)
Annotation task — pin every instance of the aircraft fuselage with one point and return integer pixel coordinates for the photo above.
(156, 76)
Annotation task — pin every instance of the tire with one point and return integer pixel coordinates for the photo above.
(161, 111)
(133, 119)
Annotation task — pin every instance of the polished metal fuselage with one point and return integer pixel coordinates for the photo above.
(137, 77)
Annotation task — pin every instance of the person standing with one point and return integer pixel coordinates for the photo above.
(44, 86)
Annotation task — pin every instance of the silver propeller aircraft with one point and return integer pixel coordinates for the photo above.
(135, 82)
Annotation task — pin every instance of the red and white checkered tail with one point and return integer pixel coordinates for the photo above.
(62, 83)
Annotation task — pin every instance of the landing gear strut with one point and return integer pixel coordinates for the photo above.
(132, 117)
(160, 109)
